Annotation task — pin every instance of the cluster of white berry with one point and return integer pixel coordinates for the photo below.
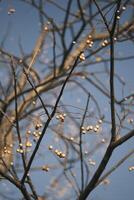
(89, 128)
(60, 154)
(11, 11)
(61, 117)
(131, 168)
(45, 168)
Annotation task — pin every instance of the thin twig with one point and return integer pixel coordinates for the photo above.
(47, 123)
(115, 167)
(80, 145)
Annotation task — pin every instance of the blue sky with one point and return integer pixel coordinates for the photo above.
(23, 26)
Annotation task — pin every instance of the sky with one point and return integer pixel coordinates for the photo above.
(23, 27)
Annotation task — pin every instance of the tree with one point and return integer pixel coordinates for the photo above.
(54, 96)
